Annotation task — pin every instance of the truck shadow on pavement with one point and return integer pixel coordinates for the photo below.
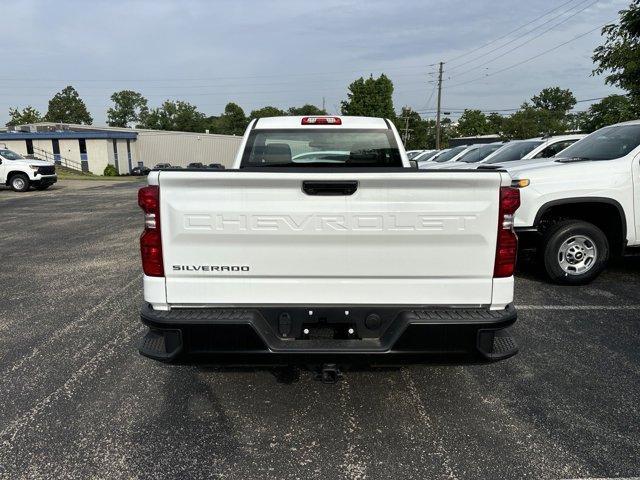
(289, 374)
(191, 422)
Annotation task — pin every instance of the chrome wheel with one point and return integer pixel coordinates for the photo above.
(18, 183)
(577, 255)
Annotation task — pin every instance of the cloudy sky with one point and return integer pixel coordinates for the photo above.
(292, 52)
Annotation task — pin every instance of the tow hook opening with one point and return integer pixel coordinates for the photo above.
(328, 373)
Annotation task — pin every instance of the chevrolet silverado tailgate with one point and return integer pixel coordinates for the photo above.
(311, 238)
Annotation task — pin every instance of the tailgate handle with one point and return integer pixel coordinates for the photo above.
(330, 187)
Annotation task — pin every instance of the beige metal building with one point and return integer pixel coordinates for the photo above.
(90, 148)
(182, 148)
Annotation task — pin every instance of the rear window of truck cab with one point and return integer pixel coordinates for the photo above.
(327, 147)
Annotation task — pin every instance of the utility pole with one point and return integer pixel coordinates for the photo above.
(439, 104)
(323, 104)
(406, 130)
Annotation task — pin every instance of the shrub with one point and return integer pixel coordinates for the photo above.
(110, 171)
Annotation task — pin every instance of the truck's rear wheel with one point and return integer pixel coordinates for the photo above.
(574, 252)
(19, 182)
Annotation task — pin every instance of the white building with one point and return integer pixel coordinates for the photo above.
(90, 148)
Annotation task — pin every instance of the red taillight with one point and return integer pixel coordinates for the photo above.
(507, 242)
(151, 241)
(149, 199)
(321, 121)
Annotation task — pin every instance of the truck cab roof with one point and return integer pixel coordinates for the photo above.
(295, 122)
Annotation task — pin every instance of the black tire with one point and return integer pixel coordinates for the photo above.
(19, 182)
(566, 231)
(42, 187)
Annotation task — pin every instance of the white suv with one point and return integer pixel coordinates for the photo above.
(20, 173)
(531, 148)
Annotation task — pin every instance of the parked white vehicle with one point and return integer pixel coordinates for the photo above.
(532, 148)
(450, 155)
(474, 154)
(428, 156)
(20, 173)
(582, 207)
(411, 154)
(367, 260)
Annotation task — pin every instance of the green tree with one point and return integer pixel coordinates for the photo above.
(447, 131)
(129, 107)
(547, 114)
(211, 123)
(609, 110)
(306, 109)
(21, 117)
(472, 123)
(577, 121)
(372, 97)
(619, 56)
(110, 171)
(66, 106)
(430, 127)
(556, 100)
(267, 111)
(426, 130)
(178, 116)
(495, 123)
(232, 122)
(530, 122)
(414, 131)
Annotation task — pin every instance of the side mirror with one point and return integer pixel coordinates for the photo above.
(414, 164)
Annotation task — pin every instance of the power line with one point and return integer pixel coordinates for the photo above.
(57, 85)
(501, 55)
(278, 75)
(302, 98)
(527, 59)
(330, 87)
(456, 116)
(209, 85)
(508, 33)
(433, 91)
(491, 110)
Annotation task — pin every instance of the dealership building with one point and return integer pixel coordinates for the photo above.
(91, 149)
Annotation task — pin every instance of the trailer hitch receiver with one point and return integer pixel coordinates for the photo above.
(329, 373)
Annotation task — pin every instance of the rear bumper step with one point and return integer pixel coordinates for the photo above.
(277, 335)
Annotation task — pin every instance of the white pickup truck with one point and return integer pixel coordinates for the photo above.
(20, 173)
(583, 206)
(324, 246)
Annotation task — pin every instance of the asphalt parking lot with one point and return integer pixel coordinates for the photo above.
(79, 402)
